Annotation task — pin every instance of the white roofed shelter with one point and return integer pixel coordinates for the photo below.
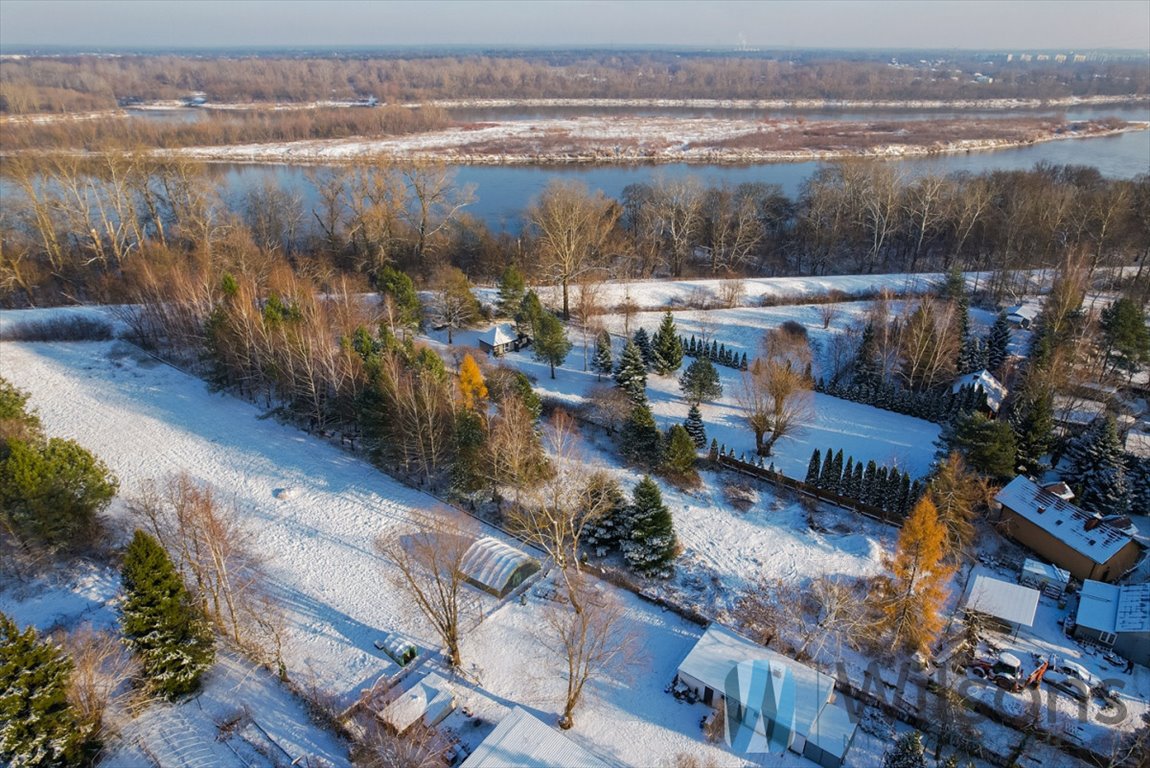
(430, 699)
(522, 740)
(1048, 579)
(495, 567)
(1012, 604)
(1116, 616)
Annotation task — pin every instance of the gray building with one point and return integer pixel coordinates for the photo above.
(1116, 616)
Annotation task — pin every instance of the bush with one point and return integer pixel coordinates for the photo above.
(65, 328)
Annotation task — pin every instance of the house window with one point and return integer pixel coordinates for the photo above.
(1107, 637)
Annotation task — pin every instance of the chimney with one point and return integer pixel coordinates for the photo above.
(1093, 523)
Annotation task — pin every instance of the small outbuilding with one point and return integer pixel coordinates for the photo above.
(1023, 315)
(831, 736)
(495, 567)
(769, 701)
(521, 739)
(983, 380)
(429, 699)
(1048, 579)
(1012, 605)
(502, 339)
(1115, 616)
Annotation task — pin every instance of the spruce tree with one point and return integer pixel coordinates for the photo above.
(867, 372)
(813, 468)
(161, 624)
(867, 491)
(650, 546)
(701, 381)
(602, 363)
(826, 478)
(988, 446)
(847, 478)
(907, 752)
(1093, 466)
(680, 455)
(694, 426)
(1138, 482)
(667, 348)
(1032, 420)
(836, 477)
(550, 344)
(857, 482)
(631, 374)
(606, 528)
(639, 439)
(512, 289)
(713, 451)
(38, 726)
(998, 344)
(643, 342)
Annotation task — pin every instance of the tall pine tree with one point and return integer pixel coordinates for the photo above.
(161, 624)
(602, 363)
(680, 455)
(1093, 466)
(643, 342)
(38, 726)
(512, 289)
(998, 344)
(701, 381)
(650, 546)
(631, 374)
(908, 752)
(639, 439)
(667, 352)
(813, 468)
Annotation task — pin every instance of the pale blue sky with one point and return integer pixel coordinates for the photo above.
(977, 24)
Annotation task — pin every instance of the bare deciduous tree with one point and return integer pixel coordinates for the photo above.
(776, 399)
(571, 228)
(99, 688)
(428, 568)
(591, 642)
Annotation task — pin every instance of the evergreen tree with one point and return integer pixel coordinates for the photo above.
(512, 289)
(844, 488)
(639, 439)
(606, 529)
(550, 344)
(701, 381)
(903, 504)
(643, 342)
(1125, 335)
(987, 446)
(694, 426)
(680, 456)
(401, 308)
(469, 439)
(908, 752)
(836, 476)
(1138, 482)
(650, 546)
(161, 624)
(631, 374)
(713, 452)
(857, 482)
(1093, 466)
(867, 490)
(51, 493)
(813, 468)
(743, 365)
(530, 311)
(16, 421)
(38, 726)
(826, 479)
(997, 344)
(667, 352)
(867, 371)
(1032, 420)
(602, 363)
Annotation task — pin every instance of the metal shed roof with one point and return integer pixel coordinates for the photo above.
(430, 698)
(522, 740)
(1001, 599)
(1097, 606)
(1063, 520)
(1046, 571)
(491, 563)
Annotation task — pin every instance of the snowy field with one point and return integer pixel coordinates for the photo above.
(148, 420)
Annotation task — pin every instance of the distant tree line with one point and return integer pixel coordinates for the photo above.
(71, 83)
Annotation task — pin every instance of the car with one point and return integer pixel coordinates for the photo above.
(1071, 677)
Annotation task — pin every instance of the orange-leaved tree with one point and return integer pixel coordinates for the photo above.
(472, 388)
(910, 597)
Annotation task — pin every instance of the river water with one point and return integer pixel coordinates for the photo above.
(502, 193)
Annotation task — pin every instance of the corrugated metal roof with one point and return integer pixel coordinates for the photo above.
(1063, 520)
(1051, 573)
(1001, 599)
(522, 740)
(491, 562)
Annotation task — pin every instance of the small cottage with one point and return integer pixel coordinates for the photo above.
(502, 339)
(1023, 315)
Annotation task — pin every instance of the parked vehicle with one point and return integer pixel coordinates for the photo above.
(1072, 678)
(1008, 672)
